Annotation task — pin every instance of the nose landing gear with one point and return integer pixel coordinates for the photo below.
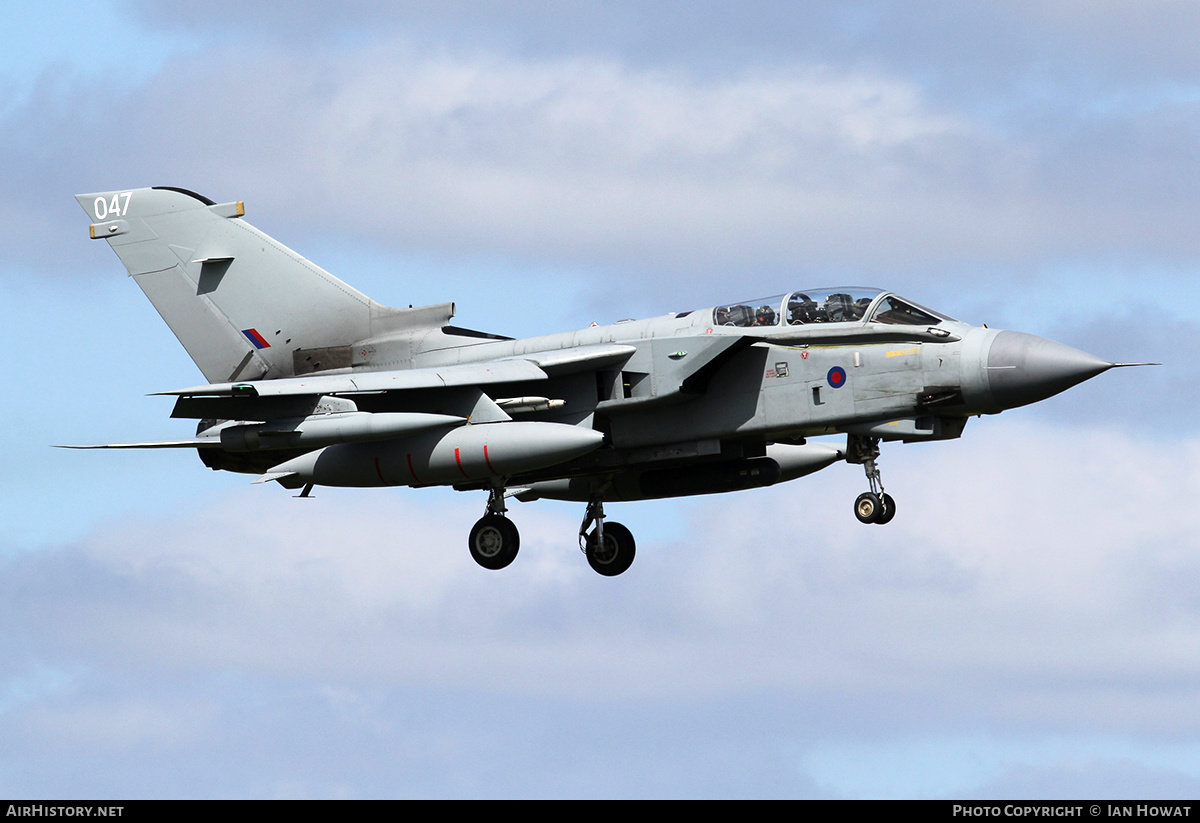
(609, 547)
(874, 506)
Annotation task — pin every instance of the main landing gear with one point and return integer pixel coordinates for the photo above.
(494, 539)
(875, 506)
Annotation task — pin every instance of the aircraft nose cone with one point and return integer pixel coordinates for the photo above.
(1025, 368)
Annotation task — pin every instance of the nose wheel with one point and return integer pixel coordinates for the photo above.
(875, 506)
(609, 547)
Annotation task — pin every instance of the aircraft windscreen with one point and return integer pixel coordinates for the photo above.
(895, 311)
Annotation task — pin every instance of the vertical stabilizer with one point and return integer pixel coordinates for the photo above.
(244, 306)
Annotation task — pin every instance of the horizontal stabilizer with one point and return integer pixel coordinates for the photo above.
(197, 443)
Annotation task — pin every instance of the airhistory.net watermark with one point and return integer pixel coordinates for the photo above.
(43, 810)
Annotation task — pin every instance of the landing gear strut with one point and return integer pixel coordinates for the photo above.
(494, 539)
(609, 547)
(875, 506)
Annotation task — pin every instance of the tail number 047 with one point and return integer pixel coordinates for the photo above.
(118, 206)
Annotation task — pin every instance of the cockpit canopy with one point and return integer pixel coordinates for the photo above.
(836, 305)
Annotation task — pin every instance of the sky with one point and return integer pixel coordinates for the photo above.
(1027, 626)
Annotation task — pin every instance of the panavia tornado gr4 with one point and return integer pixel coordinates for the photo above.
(312, 383)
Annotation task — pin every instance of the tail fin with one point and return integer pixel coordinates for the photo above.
(244, 306)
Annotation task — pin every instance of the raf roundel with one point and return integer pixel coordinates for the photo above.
(837, 377)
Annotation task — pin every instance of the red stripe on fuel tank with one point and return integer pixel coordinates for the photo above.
(412, 471)
(486, 460)
(458, 460)
(379, 472)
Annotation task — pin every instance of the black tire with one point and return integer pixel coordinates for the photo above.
(617, 553)
(494, 541)
(889, 510)
(868, 508)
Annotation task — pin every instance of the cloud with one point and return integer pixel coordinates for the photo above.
(563, 158)
(1126, 38)
(690, 176)
(1046, 543)
(1034, 581)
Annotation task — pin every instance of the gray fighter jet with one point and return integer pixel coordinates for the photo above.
(312, 383)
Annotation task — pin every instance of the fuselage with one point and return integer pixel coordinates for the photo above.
(692, 405)
(768, 381)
